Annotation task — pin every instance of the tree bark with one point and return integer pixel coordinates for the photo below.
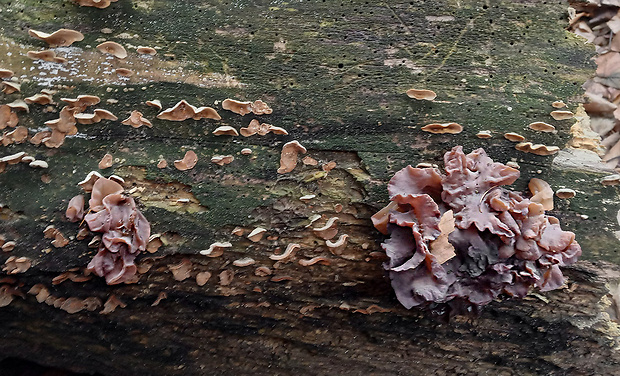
(335, 74)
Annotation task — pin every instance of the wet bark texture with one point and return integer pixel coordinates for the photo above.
(335, 74)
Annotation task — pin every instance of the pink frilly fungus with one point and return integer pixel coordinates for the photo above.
(503, 243)
(125, 232)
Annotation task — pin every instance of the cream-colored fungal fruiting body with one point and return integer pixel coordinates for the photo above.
(437, 128)
(216, 249)
(421, 94)
(257, 107)
(113, 49)
(136, 120)
(188, 162)
(225, 130)
(59, 38)
(183, 111)
(288, 156)
(514, 137)
(329, 230)
(538, 149)
(222, 160)
(47, 55)
(562, 115)
(542, 126)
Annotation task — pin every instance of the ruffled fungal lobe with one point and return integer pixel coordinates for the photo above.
(499, 242)
(125, 232)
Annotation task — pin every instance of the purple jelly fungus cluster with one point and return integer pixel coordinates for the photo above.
(124, 230)
(462, 239)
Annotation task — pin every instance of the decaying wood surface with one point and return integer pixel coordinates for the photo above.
(335, 74)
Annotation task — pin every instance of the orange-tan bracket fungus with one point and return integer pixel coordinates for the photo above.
(125, 231)
(288, 157)
(59, 38)
(503, 243)
(113, 48)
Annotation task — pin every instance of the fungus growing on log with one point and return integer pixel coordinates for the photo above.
(188, 162)
(59, 38)
(421, 94)
(216, 249)
(146, 50)
(10, 87)
(183, 111)
(484, 134)
(538, 149)
(542, 126)
(288, 156)
(225, 130)
(125, 232)
(222, 159)
(451, 128)
(42, 99)
(101, 4)
(106, 162)
(75, 210)
(562, 115)
(124, 72)
(257, 107)
(113, 48)
(503, 243)
(6, 73)
(136, 120)
(47, 55)
(541, 193)
(514, 137)
(154, 103)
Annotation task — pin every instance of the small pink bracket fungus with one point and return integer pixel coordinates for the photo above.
(225, 130)
(514, 137)
(558, 104)
(288, 252)
(10, 87)
(42, 99)
(136, 120)
(216, 249)
(338, 246)
(188, 162)
(436, 128)
(146, 50)
(562, 115)
(47, 55)
(59, 38)
(329, 230)
(503, 243)
(183, 111)
(106, 162)
(241, 108)
(542, 127)
(222, 159)
(288, 157)
(124, 72)
(424, 94)
(6, 73)
(538, 149)
(113, 48)
(88, 182)
(154, 103)
(257, 234)
(541, 193)
(75, 210)
(484, 134)
(101, 4)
